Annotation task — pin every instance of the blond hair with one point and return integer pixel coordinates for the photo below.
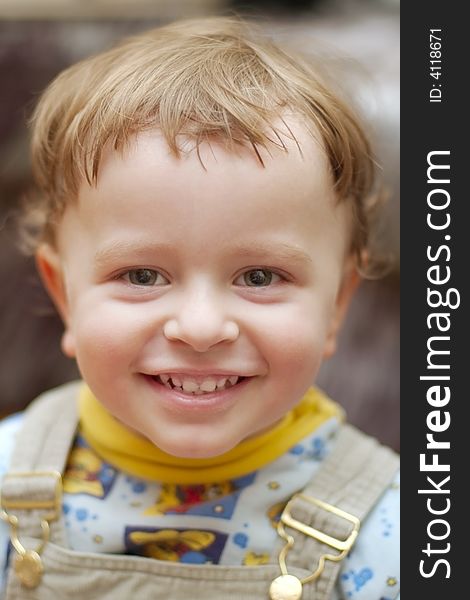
(198, 78)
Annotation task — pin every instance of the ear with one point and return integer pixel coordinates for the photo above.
(347, 288)
(50, 269)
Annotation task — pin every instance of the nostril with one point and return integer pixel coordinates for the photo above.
(201, 334)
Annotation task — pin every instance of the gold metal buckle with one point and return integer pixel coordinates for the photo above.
(28, 563)
(54, 505)
(288, 586)
(340, 545)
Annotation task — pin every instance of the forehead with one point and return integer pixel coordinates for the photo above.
(289, 134)
(224, 189)
(296, 159)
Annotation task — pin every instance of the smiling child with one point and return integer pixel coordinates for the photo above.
(204, 205)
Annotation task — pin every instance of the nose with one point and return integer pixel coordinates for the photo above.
(201, 322)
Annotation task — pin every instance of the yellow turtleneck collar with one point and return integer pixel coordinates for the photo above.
(136, 455)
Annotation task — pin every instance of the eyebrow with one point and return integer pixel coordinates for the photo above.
(118, 248)
(276, 250)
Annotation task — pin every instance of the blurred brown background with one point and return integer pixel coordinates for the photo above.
(358, 43)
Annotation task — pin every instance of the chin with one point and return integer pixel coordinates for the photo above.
(189, 448)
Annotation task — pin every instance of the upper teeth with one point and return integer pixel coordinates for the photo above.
(190, 385)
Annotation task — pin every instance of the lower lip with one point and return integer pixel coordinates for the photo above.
(210, 402)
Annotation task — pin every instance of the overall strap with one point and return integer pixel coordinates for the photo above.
(32, 488)
(325, 518)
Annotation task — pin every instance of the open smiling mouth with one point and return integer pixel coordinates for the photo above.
(189, 385)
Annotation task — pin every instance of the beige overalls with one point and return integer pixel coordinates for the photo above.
(320, 522)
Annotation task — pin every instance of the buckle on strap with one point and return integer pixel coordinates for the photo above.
(342, 546)
(53, 505)
(28, 564)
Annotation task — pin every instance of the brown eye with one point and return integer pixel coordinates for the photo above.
(258, 277)
(143, 276)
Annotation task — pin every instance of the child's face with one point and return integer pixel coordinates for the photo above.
(236, 276)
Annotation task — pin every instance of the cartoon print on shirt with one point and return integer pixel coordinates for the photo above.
(86, 473)
(252, 559)
(177, 545)
(210, 499)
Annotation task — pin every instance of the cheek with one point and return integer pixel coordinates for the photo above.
(295, 339)
(104, 334)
